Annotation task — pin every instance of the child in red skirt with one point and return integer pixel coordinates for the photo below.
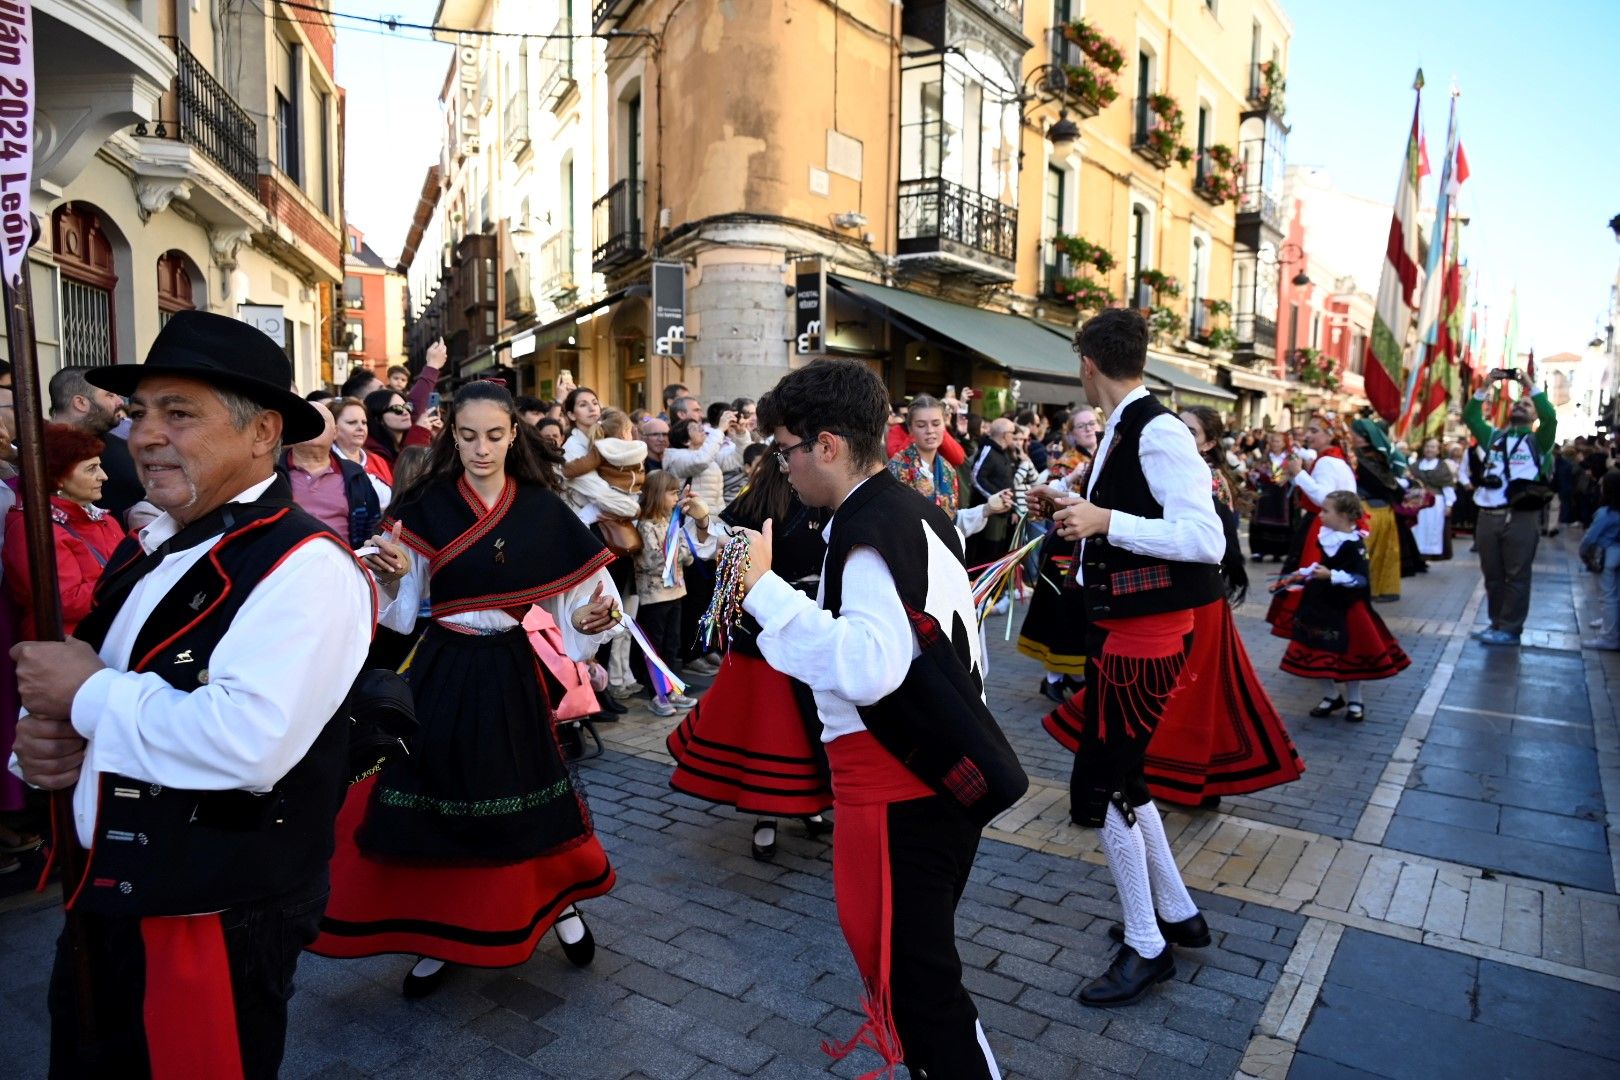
(1335, 633)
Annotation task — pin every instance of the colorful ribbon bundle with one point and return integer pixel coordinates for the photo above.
(725, 607)
(663, 677)
(1003, 577)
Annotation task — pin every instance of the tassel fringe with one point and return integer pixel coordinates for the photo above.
(877, 1034)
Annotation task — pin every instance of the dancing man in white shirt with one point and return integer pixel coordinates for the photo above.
(1151, 545)
(195, 716)
(892, 638)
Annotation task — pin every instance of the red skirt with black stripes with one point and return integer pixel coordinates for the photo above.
(1220, 734)
(746, 744)
(1372, 651)
(480, 914)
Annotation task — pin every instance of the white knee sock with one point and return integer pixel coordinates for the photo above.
(1352, 693)
(1340, 689)
(1170, 896)
(570, 926)
(1127, 861)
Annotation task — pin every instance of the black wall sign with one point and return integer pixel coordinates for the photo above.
(809, 306)
(669, 308)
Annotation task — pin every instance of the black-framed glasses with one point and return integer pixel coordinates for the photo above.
(782, 456)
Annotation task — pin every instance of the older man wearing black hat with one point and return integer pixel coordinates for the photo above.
(196, 716)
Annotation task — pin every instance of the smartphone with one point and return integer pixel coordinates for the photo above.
(1507, 373)
(433, 400)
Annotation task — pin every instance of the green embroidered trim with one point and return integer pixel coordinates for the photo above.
(511, 804)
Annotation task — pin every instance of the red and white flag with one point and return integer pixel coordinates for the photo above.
(1392, 321)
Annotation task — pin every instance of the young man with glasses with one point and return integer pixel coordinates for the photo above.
(894, 598)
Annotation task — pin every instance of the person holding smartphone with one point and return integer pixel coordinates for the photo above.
(1509, 495)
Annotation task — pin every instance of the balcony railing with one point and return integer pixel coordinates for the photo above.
(1255, 331)
(557, 266)
(936, 214)
(618, 225)
(1258, 206)
(1144, 126)
(207, 117)
(516, 121)
(557, 61)
(607, 11)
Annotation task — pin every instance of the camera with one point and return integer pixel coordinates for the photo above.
(1491, 482)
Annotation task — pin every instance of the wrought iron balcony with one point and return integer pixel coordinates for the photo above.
(1255, 334)
(557, 266)
(557, 62)
(1149, 137)
(205, 115)
(946, 225)
(609, 11)
(516, 121)
(619, 236)
(1256, 207)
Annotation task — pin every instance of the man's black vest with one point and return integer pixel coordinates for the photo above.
(171, 851)
(1120, 584)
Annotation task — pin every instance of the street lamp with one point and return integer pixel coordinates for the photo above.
(1044, 85)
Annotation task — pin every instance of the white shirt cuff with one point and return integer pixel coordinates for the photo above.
(1122, 528)
(773, 602)
(90, 704)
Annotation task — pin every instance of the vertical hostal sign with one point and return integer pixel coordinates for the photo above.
(668, 307)
(809, 305)
(16, 133)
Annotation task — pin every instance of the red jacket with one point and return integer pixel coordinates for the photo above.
(83, 545)
(949, 449)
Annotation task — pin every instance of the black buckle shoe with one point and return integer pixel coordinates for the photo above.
(816, 825)
(583, 951)
(1127, 978)
(764, 852)
(420, 986)
(1190, 933)
(1328, 707)
(1055, 691)
(1355, 712)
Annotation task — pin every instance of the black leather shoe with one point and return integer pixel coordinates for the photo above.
(611, 704)
(1127, 978)
(583, 951)
(764, 852)
(420, 986)
(1055, 691)
(1355, 712)
(1327, 708)
(816, 825)
(1190, 933)
(1209, 802)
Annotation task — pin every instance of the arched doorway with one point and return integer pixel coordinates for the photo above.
(84, 257)
(178, 284)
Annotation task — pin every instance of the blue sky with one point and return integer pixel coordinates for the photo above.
(1540, 91)
(1540, 88)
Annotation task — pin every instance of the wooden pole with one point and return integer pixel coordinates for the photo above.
(47, 596)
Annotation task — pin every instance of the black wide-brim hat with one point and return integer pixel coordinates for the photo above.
(225, 353)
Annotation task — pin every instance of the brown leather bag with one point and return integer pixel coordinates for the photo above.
(621, 536)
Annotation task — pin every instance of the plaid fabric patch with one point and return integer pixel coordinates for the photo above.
(965, 783)
(924, 626)
(1140, 580)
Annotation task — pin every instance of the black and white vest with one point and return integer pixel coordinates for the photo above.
(1121, 584)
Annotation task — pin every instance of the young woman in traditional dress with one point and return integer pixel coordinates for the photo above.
(1220, 735)
(754, 739)
(471, 848)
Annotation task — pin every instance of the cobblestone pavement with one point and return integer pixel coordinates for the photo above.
(1435, 897)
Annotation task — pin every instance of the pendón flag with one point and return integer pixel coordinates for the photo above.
(16, 147)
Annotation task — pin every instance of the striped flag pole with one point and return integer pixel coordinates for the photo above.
(1386, 346)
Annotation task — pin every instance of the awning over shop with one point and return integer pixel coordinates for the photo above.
(1189, 389)
(1022, 346)
(1050, 392)
(1265, 384)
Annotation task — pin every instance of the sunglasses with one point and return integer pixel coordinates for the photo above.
(399, 410)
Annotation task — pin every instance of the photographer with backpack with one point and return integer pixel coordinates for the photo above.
(1510, 493)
